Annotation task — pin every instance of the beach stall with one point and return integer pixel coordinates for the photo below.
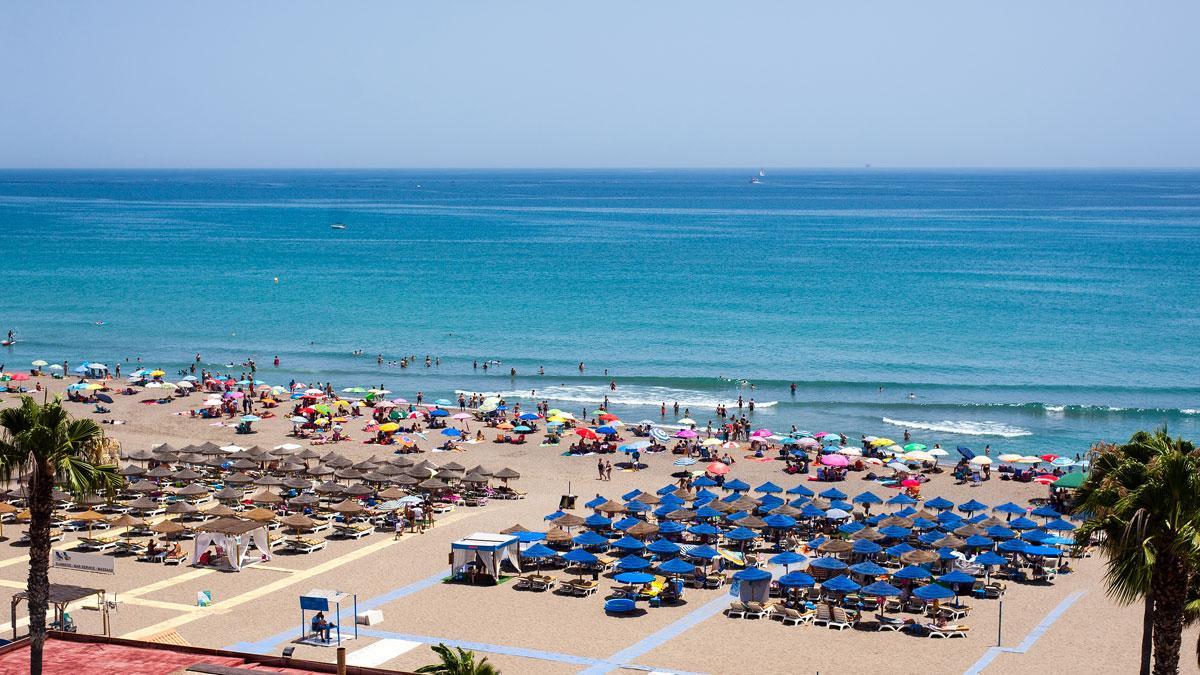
(482, 554)
(327, 617)
(234, 538)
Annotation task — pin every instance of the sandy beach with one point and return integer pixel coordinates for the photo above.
(1069, 626)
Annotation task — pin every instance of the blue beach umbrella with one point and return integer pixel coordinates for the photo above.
(768, 488)
(736, 516)
(671, 527)
(801, 490)
(662, 546)
(737, 485)
(1000, 532)
(555, 516)
(626, 523)
(912, 572)
(677, 566)
(704, 481)
(1012, 546)
(1042, 551)
(524, 416)
(866, 546)
(631, 563)
(539, 551)
(527, 537)
(636, 506)
(741, 534)
(1036, 536)
(707, 512)
(768, 502)
(1010, 509)
(840, 584)
(522, 429)
(580, 557)
(851, 527)
(1022, 524)
(628, 543)
(752, 574)
(928, 538)
(810, 511)
(934, 592)
(899, 549)
(438, 412)
(827, 563)
(1046, 511)
(1058, 526)
(868, 569)
(972, 506)
(833, 493)
(978, 541)
(894, 532)
(787, 558)
(606, 430)
(796, 580)
(867, 498)
(880, 589)
(593, 503)
(589, 538)
(939, 504)
(451, 432)
(704, 530)
(634, 578)
(901, 500)
(990, 558)
(956, 577)
(923, 524)
(597, 520)
(780, 521)
(703, 552)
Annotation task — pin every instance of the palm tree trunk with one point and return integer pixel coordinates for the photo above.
(1169, 588)
(41, 508)
(1147, 633)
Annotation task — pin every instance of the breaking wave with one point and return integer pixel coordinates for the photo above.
(964, 427)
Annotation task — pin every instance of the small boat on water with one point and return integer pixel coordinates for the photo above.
(758, 179)
(337, 226)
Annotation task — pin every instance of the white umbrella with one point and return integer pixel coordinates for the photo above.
(981, 460)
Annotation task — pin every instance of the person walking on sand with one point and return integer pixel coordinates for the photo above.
(600, 467)
(608, 471)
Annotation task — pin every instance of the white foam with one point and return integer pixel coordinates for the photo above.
(1055, 408)
(633, 395)
(964, 427)
(1190, 411)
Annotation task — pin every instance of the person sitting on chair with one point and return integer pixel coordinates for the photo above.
(321, 626)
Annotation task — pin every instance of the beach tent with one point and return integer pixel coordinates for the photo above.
(236, 537)
(489, 550)
(753, 584)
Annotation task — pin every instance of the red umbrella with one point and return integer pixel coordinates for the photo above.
(1049, 458)
(609, 417)
(307, 411)
(1045, 479)
(717, 468)
(910, 482)
(586, 433)
(19, 377)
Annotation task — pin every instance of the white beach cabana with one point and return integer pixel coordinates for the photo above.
(236, 537)
(489, 551)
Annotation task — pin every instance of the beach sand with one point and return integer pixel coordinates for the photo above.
(1067, 627)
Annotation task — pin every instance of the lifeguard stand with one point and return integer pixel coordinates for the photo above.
(329, 602)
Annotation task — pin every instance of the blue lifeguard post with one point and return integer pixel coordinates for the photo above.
(329, 602)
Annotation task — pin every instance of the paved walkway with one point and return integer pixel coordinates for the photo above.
(1030, 639)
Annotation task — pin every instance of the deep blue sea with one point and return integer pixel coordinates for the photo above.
(1028, 311)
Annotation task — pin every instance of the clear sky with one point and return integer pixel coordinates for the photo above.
(600, 84)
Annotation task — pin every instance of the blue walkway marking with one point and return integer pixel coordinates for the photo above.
(268, 645)
(1030, 639)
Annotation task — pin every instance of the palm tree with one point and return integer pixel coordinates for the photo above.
(42, 444)
(1143, 500)
(458, 661)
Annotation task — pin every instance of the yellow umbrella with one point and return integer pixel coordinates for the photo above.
(878, 442)
(92, 386)
(321, 420)
(556, 418)
(389, 427)
(341, 403)
(157, 373)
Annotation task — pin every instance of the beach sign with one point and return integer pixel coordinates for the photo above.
(84, 562)
(203, 598)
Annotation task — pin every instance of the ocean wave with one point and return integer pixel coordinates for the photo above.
(964, 427)
(649, 396)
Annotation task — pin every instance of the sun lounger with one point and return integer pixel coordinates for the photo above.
(823, 615)
(889, 623)
(840, 619)
(714, 581)
(174, 559)
(755, 610)
(792, 617)
(99, 544)
(737, 610)
(442, 507)
(954, 631)
(579, 587)
(355, 531)
(145, 556)
(540, 582)
(305, 545)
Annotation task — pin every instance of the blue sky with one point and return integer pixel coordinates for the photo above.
(604, 84)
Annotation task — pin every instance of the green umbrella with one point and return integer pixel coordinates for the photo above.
(913, 447)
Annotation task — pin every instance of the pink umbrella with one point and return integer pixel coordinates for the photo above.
(462, 416)
(19, 377)
(717, 468)
(761, 433)
(835, 460)
(233, 394)
(809, 443)
(823, 434)
(400, 400)
(685, 433)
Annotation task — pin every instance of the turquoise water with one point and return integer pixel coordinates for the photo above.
(1031, 311)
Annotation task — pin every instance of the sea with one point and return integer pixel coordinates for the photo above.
(1018, 311)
